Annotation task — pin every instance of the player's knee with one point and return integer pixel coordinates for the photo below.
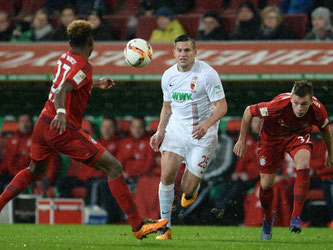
(167, 177)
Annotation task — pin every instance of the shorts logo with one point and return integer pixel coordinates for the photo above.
(264, 111)
(262, 160)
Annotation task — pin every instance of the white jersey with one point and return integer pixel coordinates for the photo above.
(191, 94)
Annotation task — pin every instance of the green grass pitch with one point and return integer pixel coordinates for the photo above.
(29, 236)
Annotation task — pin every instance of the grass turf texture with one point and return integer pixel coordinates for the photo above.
(29, 236)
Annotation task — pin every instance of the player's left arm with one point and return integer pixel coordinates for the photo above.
(104, 83)
(219, 111)
(327, 137)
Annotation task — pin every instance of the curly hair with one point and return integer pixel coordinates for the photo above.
(302, 88)
(79, 33)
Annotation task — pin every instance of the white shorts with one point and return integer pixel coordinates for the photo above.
(197, 154)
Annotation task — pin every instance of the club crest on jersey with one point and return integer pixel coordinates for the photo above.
(79, 77)
(193, 86)
(262, 160)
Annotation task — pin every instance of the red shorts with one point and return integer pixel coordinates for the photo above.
(271, 150)
(73, 142)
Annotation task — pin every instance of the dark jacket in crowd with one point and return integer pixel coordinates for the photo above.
(60, 34)
(6, 35)
(104, 33)
(216, 34)
(328, 35)
(248, 30)
(280, 33)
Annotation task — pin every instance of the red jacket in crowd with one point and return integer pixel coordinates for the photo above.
(17, 157)
(136, 156)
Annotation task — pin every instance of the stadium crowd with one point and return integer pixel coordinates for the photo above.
(232, 184)
(232, 195)
(162, 21)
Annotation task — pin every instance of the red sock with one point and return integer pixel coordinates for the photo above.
(125, 199)
(301, 188)
(266, 199)
(16, 186)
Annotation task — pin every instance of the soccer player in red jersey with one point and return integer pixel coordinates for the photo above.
(59, 129)
(287, 126)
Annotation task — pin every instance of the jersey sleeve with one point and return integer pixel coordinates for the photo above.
(214, 86)
(165, 89)
(321, 117)
(78, 77)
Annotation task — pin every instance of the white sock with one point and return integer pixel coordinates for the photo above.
(166, 195)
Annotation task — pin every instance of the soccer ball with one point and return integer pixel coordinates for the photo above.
(138, 53)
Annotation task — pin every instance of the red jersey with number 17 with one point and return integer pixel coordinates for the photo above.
(280, 120)
(74, 69)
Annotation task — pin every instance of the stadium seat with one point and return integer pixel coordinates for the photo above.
(296, 24)
(233, 125)
(79, 192)
(119, 23)
(234, 4)
(146, 25)
(203, 6)
(8, 128)
(130, 7)
(7, 6)
(228, 22)
(112, 5)
(273, 2)
(315, 194)
(190, 23)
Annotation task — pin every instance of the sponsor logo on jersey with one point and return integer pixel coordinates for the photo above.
(218, 88)
(264, 111)
(79, 77)
(180, 96)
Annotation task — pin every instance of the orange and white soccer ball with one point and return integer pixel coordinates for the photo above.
(138, 53)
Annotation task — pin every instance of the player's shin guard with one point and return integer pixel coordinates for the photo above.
(301, 188)
(266, 199)
(166, 195)
(124, 197)
(20, 182)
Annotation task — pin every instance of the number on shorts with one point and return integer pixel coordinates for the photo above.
(305, 138)
(204, 163)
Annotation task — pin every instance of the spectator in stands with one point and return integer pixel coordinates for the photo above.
(93, 180)
(68, 15)
(101, 30)
(247, 23)
(271, 25)
(168, 28)
(17, 153)
(139, 165)
(244, 177)
(211, 27)
(321, 25)
(148, 7)
(6, 29)
(23, 31)
(39, 30)
(296, 6)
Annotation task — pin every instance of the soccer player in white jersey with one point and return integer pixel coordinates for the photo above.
(193, 104)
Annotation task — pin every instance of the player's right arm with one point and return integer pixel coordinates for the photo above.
(240, 146)
(157, 138)
(59, 121)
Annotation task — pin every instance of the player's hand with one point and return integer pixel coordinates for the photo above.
(106, 83)
(329, 162)
(240, 148)
(156, 140)
(59, 123)
(199, 131)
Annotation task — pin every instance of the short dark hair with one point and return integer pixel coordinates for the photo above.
(27, 114)
(110, 118)
(79, 33)
(302, 88)
(184, 38)
(141, 118)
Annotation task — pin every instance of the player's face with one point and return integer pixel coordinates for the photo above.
(301, 104)
(184, 53)
(108, 129)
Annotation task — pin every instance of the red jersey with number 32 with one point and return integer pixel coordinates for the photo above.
(280, 120)
(74, 69)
